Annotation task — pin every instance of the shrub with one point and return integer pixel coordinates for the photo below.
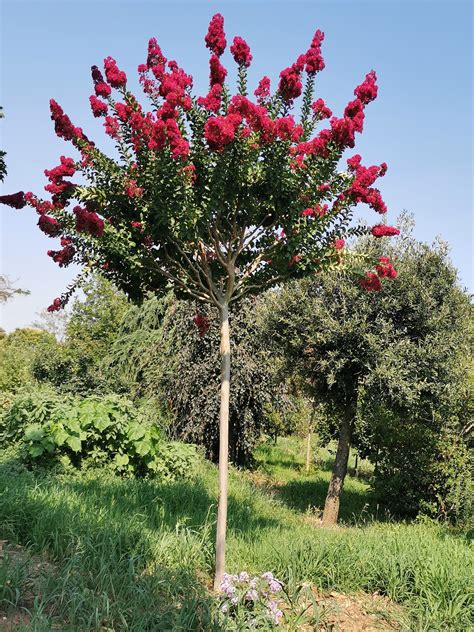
(27, 406)
(93, 431)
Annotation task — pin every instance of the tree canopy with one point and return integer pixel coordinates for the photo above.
(397, 358)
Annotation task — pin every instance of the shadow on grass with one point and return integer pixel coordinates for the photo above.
(310, 495)
(120, 551)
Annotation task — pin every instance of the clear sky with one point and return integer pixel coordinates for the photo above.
(421, 123)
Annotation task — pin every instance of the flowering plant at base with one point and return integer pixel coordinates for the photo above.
(251, 602)
(214, 197)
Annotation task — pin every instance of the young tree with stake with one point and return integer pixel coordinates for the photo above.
(214, 197)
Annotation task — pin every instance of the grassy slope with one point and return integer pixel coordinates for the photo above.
(136, 555)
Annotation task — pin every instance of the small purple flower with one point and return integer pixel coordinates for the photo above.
(252, 595)
(275, 611)
(274, 585)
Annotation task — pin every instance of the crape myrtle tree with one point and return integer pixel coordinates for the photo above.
(215, 197)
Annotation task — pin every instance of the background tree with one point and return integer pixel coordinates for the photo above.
(160, 353)
(77, 364)
(214, 197)
(390, 365)
(8, 290)
(52, 322)
(17, 353)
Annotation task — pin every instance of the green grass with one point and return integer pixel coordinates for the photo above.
(283, 463)
(137, 555)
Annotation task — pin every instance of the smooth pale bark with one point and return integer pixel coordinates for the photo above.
(308, 452)
(223, 447)
(339, 470)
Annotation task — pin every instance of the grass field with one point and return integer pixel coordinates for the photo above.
(113, 554)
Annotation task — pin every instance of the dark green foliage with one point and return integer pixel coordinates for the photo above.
(398, 355)
(109, 431)
(160, 353)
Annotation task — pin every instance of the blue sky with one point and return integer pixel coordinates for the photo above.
(421, 124)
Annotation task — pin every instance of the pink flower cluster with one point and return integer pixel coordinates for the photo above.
(49, 225)
(341, 133)
(290, 86)
(217, 72)
(56, 177)
(99, 107)
(241, 52)
(384, 269)
(41, 207)
(212, 101)
(219, 131)
(367, 91)
(148, 130)
(15, 200)
(62, 124)
(112, 127)
(101, 88)
(262, 92)
(132, 189)
(320, 210)
(320, 109)
(215, 38)
(117, 78)
(382, 230)
(202, 323)
(314, 59)
(56, 305)
(88, 222)
(361, 189)
(64, 256)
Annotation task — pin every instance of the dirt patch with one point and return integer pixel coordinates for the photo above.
(357, 613)
(20, 574)
(14, 621)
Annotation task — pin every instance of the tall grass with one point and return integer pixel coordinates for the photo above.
(137, 555)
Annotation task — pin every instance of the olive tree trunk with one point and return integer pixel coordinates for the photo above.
(223, 447)
(339, 470)
(308, 452)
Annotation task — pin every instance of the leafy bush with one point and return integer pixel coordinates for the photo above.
(94, 432)
(25, 407)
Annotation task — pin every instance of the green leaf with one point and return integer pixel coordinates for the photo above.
(121, 460)
(136, 432)
(36, 450)
(102, 422)
(34, 432)
(143, 447)
(74, 443)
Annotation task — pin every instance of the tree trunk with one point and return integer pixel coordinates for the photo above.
(223, 447)
(339, 470)
(308, 439)
(308, 452)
